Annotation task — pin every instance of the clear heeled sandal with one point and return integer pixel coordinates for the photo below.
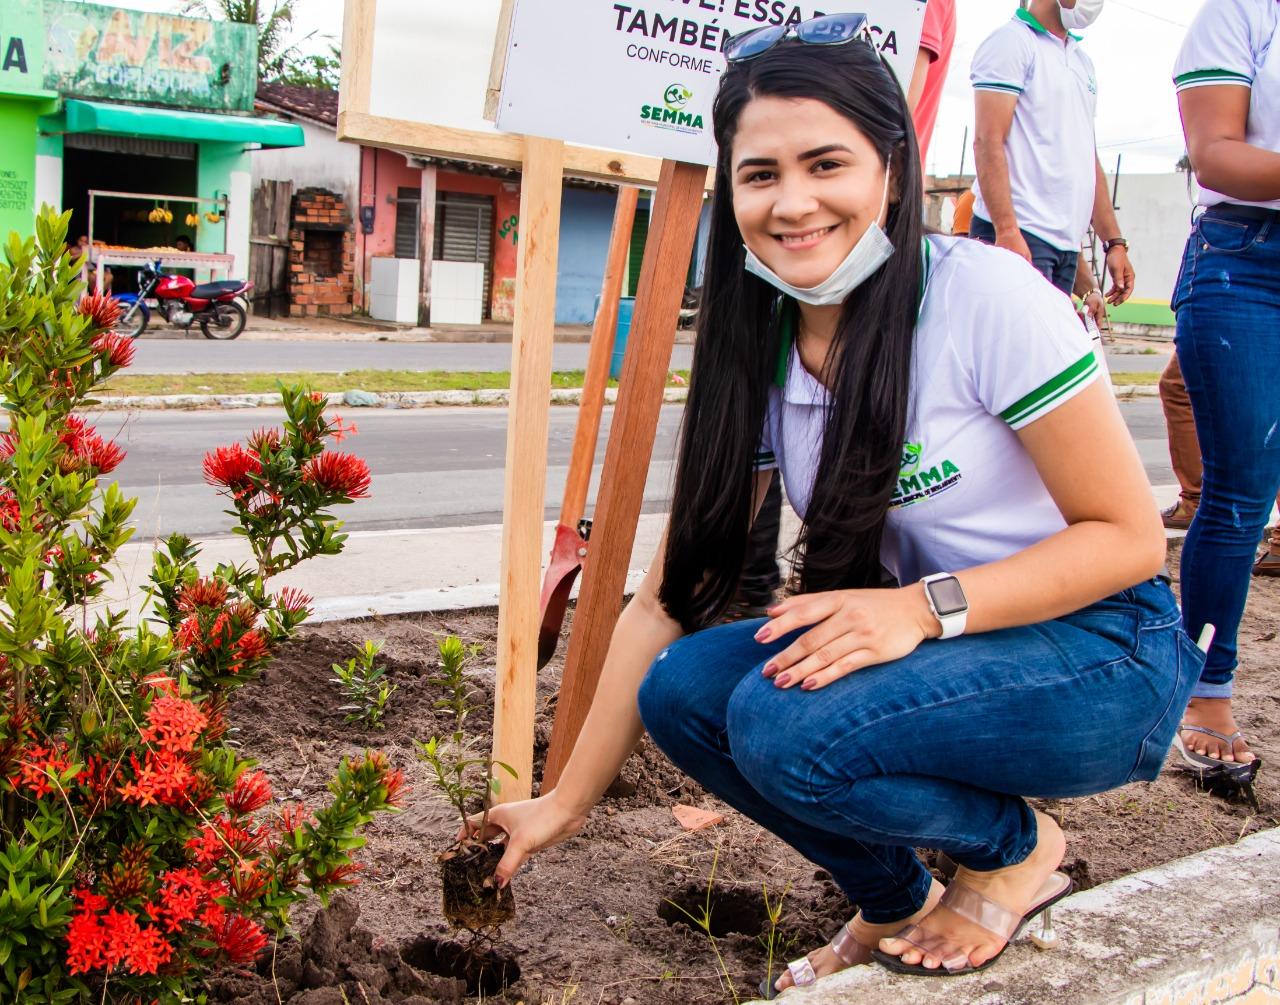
(995, 918)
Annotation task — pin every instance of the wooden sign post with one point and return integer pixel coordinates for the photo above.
(526, 472)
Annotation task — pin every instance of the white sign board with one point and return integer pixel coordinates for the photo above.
(431, 61)
(641, 76)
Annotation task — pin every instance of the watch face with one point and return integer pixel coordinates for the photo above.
(948, 597)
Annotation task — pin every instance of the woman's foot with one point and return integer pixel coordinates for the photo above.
(1014, 887)
(1214, 714)
(865, 938)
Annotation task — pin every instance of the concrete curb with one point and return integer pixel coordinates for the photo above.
(386, 399)
(1204, 930)
(499, 397)
(429, 601)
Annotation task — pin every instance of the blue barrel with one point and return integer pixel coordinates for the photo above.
(626, 307)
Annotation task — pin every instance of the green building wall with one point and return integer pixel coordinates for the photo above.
(225, 169)
(18, 164)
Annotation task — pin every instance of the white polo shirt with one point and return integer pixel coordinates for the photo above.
(996, 348)
(1236, 43)
(1051, 146)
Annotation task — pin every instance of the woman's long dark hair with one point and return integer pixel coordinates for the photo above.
(738, 345)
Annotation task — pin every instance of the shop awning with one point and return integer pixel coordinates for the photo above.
(170, 124)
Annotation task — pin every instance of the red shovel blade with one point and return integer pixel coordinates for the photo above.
(566, 559)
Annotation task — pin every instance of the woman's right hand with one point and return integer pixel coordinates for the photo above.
(530, 826)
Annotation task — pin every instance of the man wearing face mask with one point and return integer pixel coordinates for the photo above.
(1039, 182)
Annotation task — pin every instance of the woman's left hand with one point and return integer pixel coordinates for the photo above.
(852, 629)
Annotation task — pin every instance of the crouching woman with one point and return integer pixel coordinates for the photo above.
(935, 410)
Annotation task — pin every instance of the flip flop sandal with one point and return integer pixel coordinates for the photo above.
(982, 911)
(801, 970)
(1268, 564)
(1213, 769)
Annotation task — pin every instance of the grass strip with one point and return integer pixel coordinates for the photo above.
(378, 380)
(364, 380)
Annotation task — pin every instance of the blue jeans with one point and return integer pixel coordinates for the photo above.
(1228, 341)
(1059, 267)
(933, 750)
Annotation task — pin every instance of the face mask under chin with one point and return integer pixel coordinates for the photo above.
(866, 257)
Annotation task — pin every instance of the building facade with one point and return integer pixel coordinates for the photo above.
(143, 111)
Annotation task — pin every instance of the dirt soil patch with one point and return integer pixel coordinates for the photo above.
(602, 918)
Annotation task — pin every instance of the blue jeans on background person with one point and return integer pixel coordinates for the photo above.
(1228, 341)
(934, 750)
(1059, 267)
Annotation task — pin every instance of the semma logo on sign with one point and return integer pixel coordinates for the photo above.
(670, 114)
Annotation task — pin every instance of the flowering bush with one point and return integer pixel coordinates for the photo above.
(137, 850)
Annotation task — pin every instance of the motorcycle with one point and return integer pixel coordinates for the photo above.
(689, 304)
(218, 307)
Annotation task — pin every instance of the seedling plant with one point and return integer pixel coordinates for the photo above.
(472, 900)
(365, 686)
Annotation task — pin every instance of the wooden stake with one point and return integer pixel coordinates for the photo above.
(666, 262)
(568, 552)
(596, 378)
(526, 471)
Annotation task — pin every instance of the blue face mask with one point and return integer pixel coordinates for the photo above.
(866, 257)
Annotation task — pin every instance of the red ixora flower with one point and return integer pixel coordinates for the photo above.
(241, 939)
(104, 941)
(86, 447)
(251, 646)
(173, 723)
(264, 440)
(42, 767)
(102, 309)
(251, 792)
(202, 593)
(341, 429)
(231, 467)
(339, 473)
(293, 601)
(115, 348)
(183, 893)
(10, 511)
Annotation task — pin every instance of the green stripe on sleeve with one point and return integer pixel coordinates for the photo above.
(990, 85)
(1051, 390)
(1204, 78)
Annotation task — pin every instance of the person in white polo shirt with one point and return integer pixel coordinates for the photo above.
(1228, 341)
(936, 409)
(1039, 182)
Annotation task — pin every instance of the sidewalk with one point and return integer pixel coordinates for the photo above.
(407, 571)
(360, 329)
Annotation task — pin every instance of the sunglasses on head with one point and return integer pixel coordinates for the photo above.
(831, 29)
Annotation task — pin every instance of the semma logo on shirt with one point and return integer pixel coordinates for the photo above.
(918, 482)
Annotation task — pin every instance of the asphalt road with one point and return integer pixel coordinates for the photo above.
(207, 356)
(431, 467)
(155, 356)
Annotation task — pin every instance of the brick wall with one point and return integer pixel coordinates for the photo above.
(321, 254)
